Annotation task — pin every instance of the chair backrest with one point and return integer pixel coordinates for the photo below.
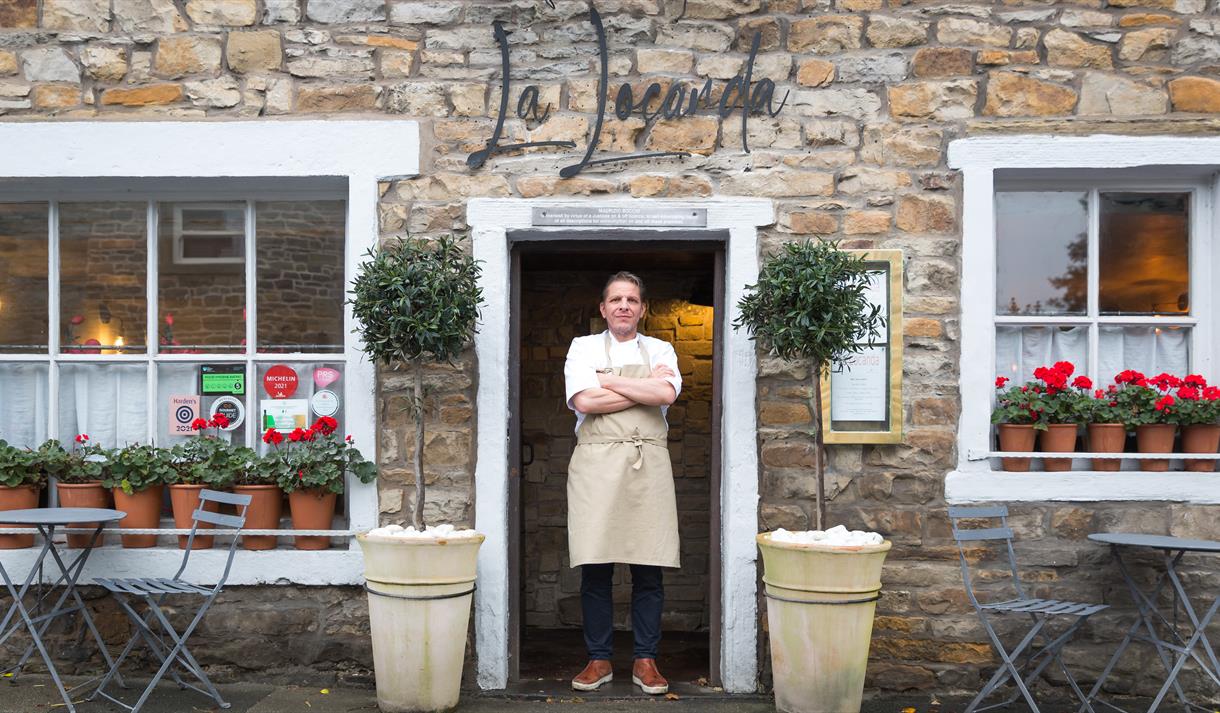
(222, 520)
(994, 519)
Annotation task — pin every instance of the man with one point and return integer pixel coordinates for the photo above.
(621, 503)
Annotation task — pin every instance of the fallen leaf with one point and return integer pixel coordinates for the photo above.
(672, 697)
(326, 691)
(908, 710)
(701, 681)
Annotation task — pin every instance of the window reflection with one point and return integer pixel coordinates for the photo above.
(201, 286)
(23, 277)
(1144, 253)
(1041, 253)
(300, 275)
(102, 268)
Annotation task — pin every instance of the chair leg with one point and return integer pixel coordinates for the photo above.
(180, 649)
(1009, 669)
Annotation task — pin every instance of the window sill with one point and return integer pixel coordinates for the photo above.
(336, 566)
(983, 485)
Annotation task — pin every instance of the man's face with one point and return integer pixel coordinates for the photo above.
(622, 308)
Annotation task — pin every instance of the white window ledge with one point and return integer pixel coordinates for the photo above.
(1081, 486)
(336, 566)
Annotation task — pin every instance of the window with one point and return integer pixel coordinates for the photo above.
(209, 234)
(1095, 276)
(1099, 250)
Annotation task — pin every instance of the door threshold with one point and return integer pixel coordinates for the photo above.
(621, 688)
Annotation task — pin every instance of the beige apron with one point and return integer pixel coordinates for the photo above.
(621, 503)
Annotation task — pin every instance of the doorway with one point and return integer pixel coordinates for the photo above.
(556, 285)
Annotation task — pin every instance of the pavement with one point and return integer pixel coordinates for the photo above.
(33, 693)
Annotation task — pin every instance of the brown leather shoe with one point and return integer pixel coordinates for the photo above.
(645, 675)
(597, 673)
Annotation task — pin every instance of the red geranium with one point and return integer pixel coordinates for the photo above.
(199, 424)
(297, 435)
(220, 421)
(325, 425)
(1194, 380)
(1082, 382)
(1000, 381)
(273, 437)
(1163, 403)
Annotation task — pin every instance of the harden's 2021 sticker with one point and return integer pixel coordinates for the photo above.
(325, 403)
(231, 407)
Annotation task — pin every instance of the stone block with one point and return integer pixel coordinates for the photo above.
(159, 16)
(767, 27)
(54, 97)
(828, 34)
(1107, 94)
(1150, 45)
(653, 60)
(932, 62)
(1191, 50)
(809, 223)
(778, 184)
(1144, 19)
(1068, 49)
(188, 54)
(941, 101)
(18, 14)
(902, 145)
(700, 36)
(831, 132)
(784, 413)
(790, 517)
(106, 63)
(425, 13)
(1195, 94)
(537, 186)
(866, 222)
(934, 412)
(922, 327)
(931, 650)
(720, 9)
(76, 15)
(8, 63)
(968, 32)
(856, 102)
(333, 67)
(285, 11)
(257, 51)
(888, 32)
(278, 97)
(1010, 94)
(325, 98)
(346, 11)
(815, 73)
(696, 134)
(872, 69)
(468, 99)
(49, 64)
(220, 92)
(1000, 58)
(153, 95)
(233, 13)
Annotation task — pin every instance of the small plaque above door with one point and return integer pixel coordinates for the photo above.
(620, 216)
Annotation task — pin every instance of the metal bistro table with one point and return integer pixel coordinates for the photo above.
(45, 520)
(1172, 550)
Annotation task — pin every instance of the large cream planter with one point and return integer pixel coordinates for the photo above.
(420, 594)
(820, 605)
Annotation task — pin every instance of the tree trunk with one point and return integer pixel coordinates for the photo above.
(819, 458)
(418, 408)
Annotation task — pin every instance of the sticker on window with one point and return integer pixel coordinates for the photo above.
(183, 410)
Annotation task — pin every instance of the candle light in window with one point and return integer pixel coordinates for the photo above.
(118, 341)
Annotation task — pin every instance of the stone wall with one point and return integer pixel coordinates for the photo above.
(552, 589)
(876, 90)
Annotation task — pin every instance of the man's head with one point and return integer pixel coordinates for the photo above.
(622, 304)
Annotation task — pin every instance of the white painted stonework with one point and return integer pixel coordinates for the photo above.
(362, 152)
(490, 220)
(1181, 162)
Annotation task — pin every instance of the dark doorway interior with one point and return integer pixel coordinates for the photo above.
(559, 292)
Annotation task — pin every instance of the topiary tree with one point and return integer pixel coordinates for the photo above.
(416, 302)
(810, 304)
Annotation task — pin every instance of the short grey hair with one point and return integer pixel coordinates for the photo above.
(624, 276)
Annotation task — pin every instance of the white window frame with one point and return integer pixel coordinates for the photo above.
(1108, 163)
(360, 153)
(181, 236)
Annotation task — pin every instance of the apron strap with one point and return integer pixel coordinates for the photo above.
(635, 439)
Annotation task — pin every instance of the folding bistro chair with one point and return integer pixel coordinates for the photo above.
(169, 646)
(1037, 648)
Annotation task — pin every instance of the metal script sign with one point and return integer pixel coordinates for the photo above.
(621, 216)
(752, 96)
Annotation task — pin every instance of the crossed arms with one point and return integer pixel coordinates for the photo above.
(617, 393)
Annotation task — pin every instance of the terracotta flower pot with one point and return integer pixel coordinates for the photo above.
(185, 501)
(312, 510)
(22, 497)
(266, 506)
(143, 511)
(1107, 438)
(1058, 438)
(83, 495)
(1016, 437)
(1201, 438)
(1155, 438)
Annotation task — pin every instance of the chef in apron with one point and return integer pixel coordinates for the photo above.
(621, 504)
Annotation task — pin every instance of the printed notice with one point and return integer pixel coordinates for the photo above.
(183, 410)
(285, 415)
(622, 216)
(859, 392)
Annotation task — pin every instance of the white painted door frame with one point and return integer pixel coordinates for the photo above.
(490, 220)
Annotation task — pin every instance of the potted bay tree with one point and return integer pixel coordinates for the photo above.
(417, 302)
(810, 304)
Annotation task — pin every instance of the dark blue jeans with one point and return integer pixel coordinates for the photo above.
(597, 605)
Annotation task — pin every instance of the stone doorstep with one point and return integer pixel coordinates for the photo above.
(34, 692)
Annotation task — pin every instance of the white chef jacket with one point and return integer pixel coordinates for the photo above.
(588, 354)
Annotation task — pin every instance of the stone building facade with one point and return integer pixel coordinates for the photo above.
(874, 93)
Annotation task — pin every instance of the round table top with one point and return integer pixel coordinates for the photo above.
(59, 516)
(1159, 542)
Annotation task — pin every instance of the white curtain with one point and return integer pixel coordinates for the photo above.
(1151, 350)
(23, 404)
(107, 401)
(1020, 350)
